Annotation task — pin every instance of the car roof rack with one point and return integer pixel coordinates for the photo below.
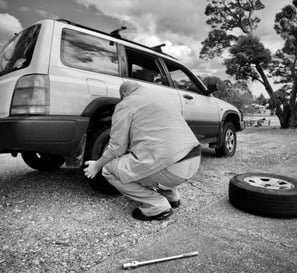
(158, 48)
(116, 34)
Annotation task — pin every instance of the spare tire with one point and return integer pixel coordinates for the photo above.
(264, 194)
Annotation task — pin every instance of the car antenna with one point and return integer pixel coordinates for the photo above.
(116, 32)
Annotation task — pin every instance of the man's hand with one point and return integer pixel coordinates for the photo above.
(92, 168)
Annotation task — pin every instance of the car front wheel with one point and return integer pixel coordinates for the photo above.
(229, 140)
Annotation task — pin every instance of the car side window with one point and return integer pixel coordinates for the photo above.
(181, 78)
(88, 52)
(144, 67)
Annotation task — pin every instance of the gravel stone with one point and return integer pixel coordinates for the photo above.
(54, 222)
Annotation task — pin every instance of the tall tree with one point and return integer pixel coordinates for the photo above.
(248, 56)
(284, 66)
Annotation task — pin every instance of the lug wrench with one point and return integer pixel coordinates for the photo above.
(135, 264)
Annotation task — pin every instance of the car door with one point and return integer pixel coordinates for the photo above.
(199, 110)
(146, 69)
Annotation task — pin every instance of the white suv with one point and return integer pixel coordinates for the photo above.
(59, 85)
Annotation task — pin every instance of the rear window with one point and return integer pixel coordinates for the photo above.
(87, 52)
(18, 52)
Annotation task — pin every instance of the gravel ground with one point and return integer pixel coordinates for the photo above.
(54, 222)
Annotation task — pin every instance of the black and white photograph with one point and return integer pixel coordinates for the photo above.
(148, 136)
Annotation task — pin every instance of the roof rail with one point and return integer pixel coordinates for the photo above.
(82, 26)
(115, 34)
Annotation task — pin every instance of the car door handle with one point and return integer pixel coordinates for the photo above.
(188, 97)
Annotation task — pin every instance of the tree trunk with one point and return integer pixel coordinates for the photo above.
(293, 116)
(282, 114)
(286, 115)
(293, 106)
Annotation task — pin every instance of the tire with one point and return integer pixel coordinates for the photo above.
(43, 162)
(229, 138)
(96, 143)
(264, 194)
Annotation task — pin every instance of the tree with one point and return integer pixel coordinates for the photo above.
(237, 93)
(225, 17)
(284, 66)
(261, 100)
(248, 56)
(213, 80)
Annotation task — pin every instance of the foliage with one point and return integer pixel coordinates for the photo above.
(225, 16)
(244, 55)
(284, 62)
(215, 44)
(284, 65)
(230, 14)
(238, 94)
(248, 58)
(213, 80)
(261, 100)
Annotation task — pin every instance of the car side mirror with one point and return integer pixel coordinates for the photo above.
(212, 88)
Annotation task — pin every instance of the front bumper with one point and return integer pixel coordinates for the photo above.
(59, 135)
(241, 125)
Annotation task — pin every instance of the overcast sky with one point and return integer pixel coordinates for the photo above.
(180, 24)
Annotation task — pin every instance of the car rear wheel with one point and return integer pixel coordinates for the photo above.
(96, 143)
(264, 194)
(42, 161)
(229, 140)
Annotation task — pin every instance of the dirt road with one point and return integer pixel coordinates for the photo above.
(54, 222)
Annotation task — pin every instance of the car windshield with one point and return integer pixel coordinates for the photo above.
(17, 53)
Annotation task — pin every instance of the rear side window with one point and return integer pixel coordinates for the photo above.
(144, 67)
(18, 52)
(87, 52)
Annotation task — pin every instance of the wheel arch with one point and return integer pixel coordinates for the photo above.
(233, 117)
(100, 112)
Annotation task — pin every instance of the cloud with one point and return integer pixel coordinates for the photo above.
(3, 4)
(154, 22)
(273, 42)
(8, 26)
(42, 13)
(161, 17)
(24, 9)
(182, 26)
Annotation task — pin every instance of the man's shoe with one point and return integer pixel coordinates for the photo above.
(137, 214)
(175, 204)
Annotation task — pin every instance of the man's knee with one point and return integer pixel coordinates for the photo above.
(110, 170)
(111, 174)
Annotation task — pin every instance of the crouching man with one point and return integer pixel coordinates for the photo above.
(151, 151)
